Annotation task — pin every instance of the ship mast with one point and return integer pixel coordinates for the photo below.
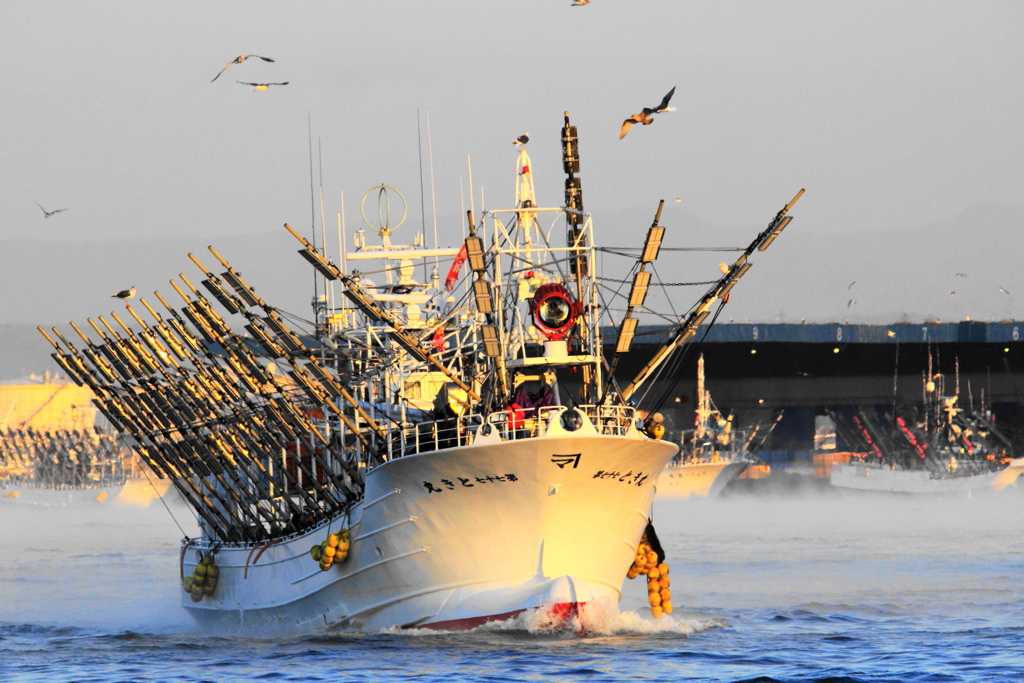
(703, 409)
(576, 237)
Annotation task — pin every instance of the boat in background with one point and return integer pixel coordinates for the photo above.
(713, 453)
(436, 454)
(940, 447)
(54, 452)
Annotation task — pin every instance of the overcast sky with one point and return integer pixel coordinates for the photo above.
(893, 115)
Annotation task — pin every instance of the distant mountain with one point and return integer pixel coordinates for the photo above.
(24, 352)
(948, 270)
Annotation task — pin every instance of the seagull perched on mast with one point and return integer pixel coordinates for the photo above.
(261, 86)
(47, 214)
(239, 60)
(644, 116)
(125, 293)
(522, 139)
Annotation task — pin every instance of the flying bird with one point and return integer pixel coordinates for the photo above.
(1004, 291)
(644, 116)
(261, 86)
(580, 3)
(522, 139)
(125, 293)
(239, 60)
(850, 286)
(47, 214)
(851, 302)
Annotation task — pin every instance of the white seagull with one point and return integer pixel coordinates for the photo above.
(644, 116)
(261, 86)
(239, 60)
(47, 214)
(125, 293)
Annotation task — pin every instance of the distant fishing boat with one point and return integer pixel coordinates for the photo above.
(52, 452)
(713, 453)
(940, 447)
(429, 454)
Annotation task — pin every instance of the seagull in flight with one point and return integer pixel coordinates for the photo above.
(644, 116)
(522, 139)
(125, 293)
(261, 86)
(47, 214)
(238, 60)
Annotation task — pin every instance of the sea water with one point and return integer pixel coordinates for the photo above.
(767, 586)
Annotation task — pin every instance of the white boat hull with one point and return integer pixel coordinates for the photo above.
(455, 538)
(862, 477)
(698, 480)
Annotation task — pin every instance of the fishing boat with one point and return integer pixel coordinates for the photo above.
(436, 454)
(713, 453)
(52, 450)
(939, 447)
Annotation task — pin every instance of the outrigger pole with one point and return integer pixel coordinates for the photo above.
(638, 291)
(686, 329)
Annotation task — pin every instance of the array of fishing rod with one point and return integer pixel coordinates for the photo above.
(62, 459)
(257, 454)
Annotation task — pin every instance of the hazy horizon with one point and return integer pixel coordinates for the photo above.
(897, 119)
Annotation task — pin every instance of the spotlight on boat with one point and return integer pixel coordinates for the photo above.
(554, 310)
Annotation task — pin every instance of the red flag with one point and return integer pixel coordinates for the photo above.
(453, 272)
(438, 340)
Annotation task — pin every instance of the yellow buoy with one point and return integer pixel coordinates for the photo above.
(665, 594)
(330, 552)
(653, 573)
(667, 606)
(101, 497)
(664, 581)
(332, 540)
(663, 568)
(656, 610)
(654, 599)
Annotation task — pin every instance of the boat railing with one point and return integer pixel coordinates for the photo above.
(513, 425)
